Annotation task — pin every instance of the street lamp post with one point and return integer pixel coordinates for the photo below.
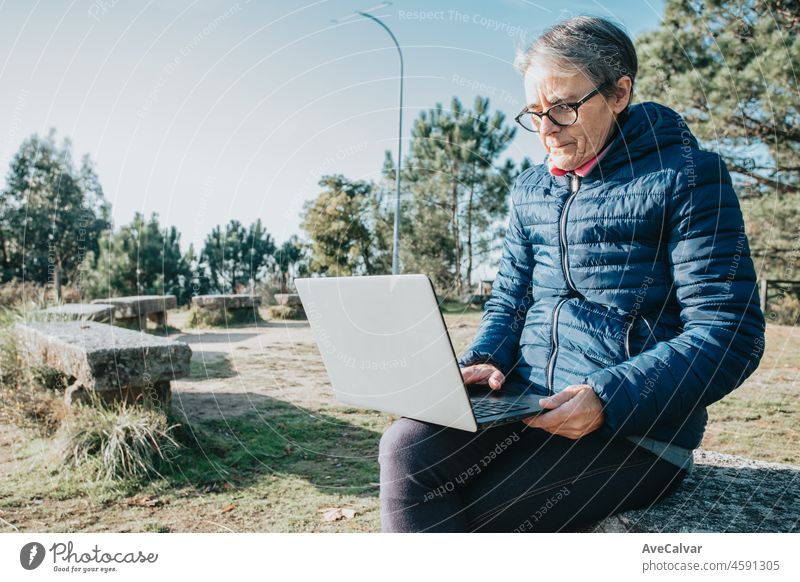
(396, 239)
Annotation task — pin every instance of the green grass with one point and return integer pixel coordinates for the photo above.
(759, 419)
(280, 465)
(276, 467)
(115, 442)
(279, 439)
(451, 307)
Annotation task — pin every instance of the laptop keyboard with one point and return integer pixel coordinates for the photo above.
(485, 407)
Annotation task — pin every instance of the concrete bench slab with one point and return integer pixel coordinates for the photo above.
(114, 363)
(135, 310)
(82, 311)
(232, 301)
(477, 299)
(724, 493)
(288, 299)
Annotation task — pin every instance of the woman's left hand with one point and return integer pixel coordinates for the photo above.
(574, 412)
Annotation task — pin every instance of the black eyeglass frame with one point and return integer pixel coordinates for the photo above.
(574, 106)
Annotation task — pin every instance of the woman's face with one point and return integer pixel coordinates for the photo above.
(569, 147)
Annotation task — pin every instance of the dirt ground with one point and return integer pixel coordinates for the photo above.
(279, 360)
(269, 375)
(251, 380)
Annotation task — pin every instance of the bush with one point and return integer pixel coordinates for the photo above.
(16, 294)
(784, 311)
(29, 397)
(115, 442)
(11, 368)
(286, 312)
(204, 317)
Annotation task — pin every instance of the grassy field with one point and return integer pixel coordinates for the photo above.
(760, 418)
(267, 448)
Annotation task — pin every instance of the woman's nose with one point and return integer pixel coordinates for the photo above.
(547, 127)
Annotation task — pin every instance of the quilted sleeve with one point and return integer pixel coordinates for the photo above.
(715, 284)
(497, 339)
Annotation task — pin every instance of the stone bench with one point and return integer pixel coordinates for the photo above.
(288, 299)
(724, 493)
(113, 363)
(134, 311)
(289, 307)
(233, 302)
(82, 311)
(479, 300)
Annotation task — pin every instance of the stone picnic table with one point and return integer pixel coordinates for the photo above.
(82, 311)
(289, 306)
(230, 301)
(135, 310)
(112, 362)
(288, 299)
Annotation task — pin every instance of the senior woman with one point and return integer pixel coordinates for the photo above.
(626, 296)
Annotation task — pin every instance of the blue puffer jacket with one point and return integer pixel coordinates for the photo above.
(636, 280)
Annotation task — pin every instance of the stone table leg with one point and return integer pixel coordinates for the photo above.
(158, 317)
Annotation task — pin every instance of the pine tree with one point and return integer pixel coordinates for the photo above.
(458, 190)
(730, 68)
(141, 258)
(52, 215)
(234, 257)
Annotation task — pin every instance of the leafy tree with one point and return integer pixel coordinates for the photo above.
(730, 68)
(290, 261)
(458, 190)
(52, 214)
(141, 258)
(341, 225)
(234, 256)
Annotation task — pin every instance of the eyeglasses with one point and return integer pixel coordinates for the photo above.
(563, 114)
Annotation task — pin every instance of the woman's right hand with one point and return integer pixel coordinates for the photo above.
(483, 374)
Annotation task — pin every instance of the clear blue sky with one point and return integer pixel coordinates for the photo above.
(205, 111)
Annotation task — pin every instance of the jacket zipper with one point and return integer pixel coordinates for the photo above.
(551, 364)
(628, 335)
(574, 186)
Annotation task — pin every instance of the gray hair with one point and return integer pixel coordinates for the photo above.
(594, 46)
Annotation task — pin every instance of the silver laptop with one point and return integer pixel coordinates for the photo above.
(385, 346)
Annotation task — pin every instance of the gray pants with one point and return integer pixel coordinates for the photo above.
(511, 478)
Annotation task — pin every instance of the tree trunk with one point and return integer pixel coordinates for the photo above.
(456, 239)
(469, 225)
(57, 278)
(4, 258)
(367, 262)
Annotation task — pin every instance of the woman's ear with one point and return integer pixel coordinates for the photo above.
(622, 94)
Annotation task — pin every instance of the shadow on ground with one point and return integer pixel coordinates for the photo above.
(273, 437)
(214, 337)
(206, 365)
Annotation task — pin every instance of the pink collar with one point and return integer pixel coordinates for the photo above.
(581, 170)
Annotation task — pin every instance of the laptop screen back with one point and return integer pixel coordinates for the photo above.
(385, 346)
